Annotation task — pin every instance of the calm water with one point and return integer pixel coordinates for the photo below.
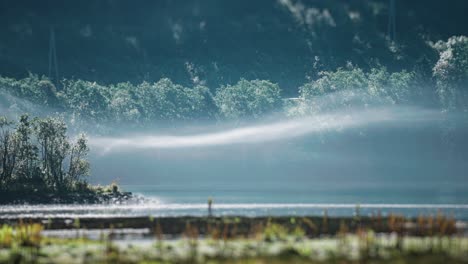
(408, 167)
(288, 198)
(273, 199)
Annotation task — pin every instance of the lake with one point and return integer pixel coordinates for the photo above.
(411, 166)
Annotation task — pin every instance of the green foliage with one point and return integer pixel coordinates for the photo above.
(410, 241)
(376, 83)
(34, 88)
(124, 103)
(78, 165)
(398, 87)
(85, 99)
(167, 101)
(160, 101)
(6, 236)
(248, 99)
(8, 151)
(26, 160)
(37, 154)
(341, 79)
(54, 147)
(451, 73)
(352, 87)
(20, 236)
(275, 232)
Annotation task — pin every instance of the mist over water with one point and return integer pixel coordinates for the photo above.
(394, 158)
(273, 131)
(375, 156)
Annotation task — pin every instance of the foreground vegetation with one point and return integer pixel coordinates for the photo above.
(40, 164)
(268, 243)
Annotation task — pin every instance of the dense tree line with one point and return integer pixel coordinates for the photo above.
(352, 87)
(248, 99)
(146, 102)
(165, 101)
(37, 155)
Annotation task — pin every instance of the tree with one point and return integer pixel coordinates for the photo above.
(27, 167)
(78, 166)
(37, 154)
(451, 73)
(124, 103)
(85, 99)
(33, 88)
(54, 147)
(167, 101)
(248, 99)
(341, 79)
(352, 87)
(8, 151)
(199, 103)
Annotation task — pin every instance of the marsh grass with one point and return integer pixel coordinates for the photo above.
(426, 239)
(22, 235)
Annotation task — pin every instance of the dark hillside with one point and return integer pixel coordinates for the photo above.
(218, 42)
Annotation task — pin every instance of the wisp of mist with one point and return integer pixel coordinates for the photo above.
(272, 131)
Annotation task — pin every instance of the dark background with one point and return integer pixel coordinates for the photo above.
(219, 42)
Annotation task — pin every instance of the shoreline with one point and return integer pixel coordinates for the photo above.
(89, 196)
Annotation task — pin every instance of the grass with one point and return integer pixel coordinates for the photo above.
(353, 248)
(23, 235)
(268, 242)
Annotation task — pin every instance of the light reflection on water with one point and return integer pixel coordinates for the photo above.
(459, 211)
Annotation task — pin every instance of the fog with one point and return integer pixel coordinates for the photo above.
(281, 130)
(375, 154)
(342, 153)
